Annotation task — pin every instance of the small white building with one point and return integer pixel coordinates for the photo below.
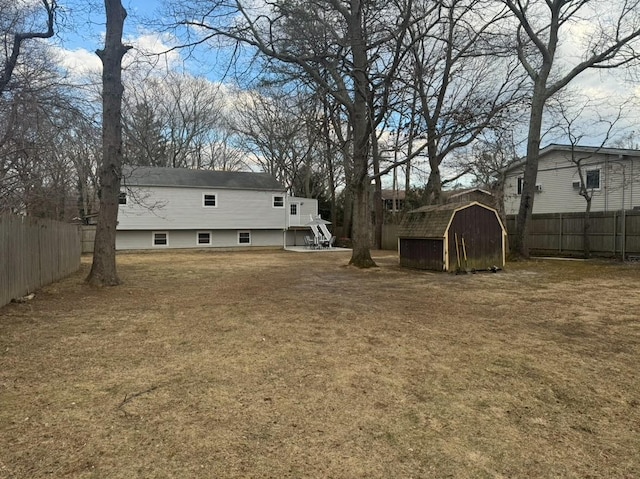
(182, 208)
(612, 175)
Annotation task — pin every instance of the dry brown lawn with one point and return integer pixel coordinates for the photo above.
(286, 365)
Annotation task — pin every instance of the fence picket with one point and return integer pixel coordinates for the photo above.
(35, 252)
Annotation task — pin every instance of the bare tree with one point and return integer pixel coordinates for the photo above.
(491, 155)
(280, 132)
(103, 270)
(542, 27)
(331, 48)
(40, 122)
(588, 185)
(464, 79)
(14, 17)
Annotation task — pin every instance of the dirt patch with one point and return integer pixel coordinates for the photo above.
(281, 364)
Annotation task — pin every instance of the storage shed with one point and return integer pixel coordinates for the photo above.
(440, 237)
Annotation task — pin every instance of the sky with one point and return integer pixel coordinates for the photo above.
(82, 33)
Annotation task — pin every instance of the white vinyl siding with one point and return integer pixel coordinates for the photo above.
(139, 240)
(307, 210)
(557, 175)
(169, 208)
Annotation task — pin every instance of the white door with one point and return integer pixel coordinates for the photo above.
(294, 214)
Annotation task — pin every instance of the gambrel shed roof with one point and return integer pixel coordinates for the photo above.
(183, 177)
(427, 221)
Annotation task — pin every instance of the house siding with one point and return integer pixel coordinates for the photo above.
(137, 240)
(556, 175)
(307, 210)
(170, 208)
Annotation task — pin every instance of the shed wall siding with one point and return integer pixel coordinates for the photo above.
(135, 240)
(556, 175)
(170, 208)
(422, 253)
(483, 239)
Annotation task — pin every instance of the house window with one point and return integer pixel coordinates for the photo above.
(209, 200)
(204, 238)
(293, 209)
(520, 184)
(593, 179)
(278, 201)
(244, 237)
(160, 239)
(122, 198)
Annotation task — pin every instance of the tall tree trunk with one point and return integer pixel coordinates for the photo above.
(407, 178)
(360, 116)
(434, 183)
(520, 245)
(103, 270)
(377, 193)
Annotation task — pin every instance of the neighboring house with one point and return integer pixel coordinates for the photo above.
(612, 175)
(393, 200)
(182, 208)
(470, 194)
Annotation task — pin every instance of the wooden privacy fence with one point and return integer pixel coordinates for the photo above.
(612, 233)
(390, 237)
(35, 252)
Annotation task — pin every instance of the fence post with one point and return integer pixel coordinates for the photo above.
(623, 247)
(561, 231)
(615, 231)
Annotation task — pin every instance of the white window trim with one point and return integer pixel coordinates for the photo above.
(198, 233)
(520, 184)
(153, 239)
(273, 201)
(215, 195)
(600, 177)
(244, 231)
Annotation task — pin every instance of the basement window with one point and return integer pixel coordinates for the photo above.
(160, 239)
(244, 237)
(204, 238)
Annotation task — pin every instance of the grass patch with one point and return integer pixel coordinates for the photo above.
(277, 364)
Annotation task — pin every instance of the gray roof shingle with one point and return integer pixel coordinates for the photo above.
(183, 177)
(427, 222)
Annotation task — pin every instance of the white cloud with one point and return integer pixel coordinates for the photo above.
(79, 63)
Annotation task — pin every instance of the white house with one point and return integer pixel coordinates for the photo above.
(612, 175)
(182, 208)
